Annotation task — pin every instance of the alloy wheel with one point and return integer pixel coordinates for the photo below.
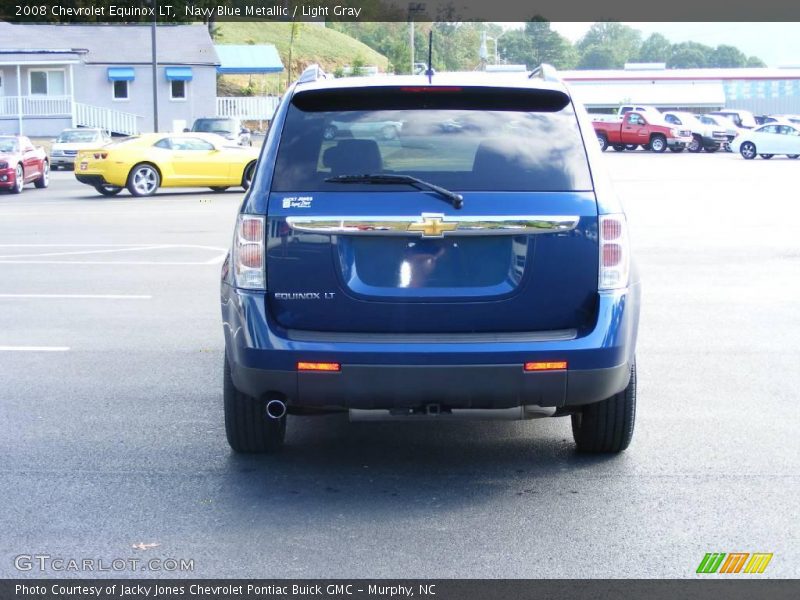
(145, 180)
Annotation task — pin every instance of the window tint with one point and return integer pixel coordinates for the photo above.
(164, 144)
(8, 145)
(768, 129)
(458, 149)
(194, 144)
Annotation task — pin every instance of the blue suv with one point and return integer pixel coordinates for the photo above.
(430, 248)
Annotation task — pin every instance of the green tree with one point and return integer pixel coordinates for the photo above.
(608, 45)
(549, 46)
(727, 57)
(690, 55)
(655, 48)
(754, 61)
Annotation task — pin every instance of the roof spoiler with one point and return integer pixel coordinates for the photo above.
(545, 72)
(312, 73)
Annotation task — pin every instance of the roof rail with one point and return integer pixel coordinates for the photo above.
(312, 73)
(545, 72)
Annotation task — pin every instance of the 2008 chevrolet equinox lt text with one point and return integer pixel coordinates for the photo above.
(451, 248)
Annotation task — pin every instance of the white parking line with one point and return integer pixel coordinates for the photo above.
(34, 348)
(31, 258)
(81, 296)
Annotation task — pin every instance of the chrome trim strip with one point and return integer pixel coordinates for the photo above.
(555, 335)
(434, 225)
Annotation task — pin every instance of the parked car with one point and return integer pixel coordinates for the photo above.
(741, 118)
(731, 130)
(637, 129)
(70, 141)
(475, 276)
(230, 128)
(143, 164)
(768, 140)
(21, 163)
(386, 130)
(704, 137)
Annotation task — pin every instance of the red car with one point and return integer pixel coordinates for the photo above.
(640, 128)
(21, 162)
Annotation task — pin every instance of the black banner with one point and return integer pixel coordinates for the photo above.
(442, 589)
(180, 11)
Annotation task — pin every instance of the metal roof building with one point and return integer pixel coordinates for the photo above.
(760, 90)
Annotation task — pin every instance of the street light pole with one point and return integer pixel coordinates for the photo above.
(155, 65)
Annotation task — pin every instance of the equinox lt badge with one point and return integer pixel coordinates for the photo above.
(304, 295)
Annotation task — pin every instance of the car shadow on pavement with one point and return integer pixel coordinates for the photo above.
(375, 466)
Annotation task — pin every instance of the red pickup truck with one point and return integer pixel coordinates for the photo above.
(646, 130)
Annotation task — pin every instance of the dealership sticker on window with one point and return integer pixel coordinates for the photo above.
(297, 202)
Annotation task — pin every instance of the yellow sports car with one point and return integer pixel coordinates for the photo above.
(146, 162)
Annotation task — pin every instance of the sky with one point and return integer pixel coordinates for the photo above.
(777, 44)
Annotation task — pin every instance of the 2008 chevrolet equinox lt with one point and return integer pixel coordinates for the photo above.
(437, 247)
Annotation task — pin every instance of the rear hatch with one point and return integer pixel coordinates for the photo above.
(362, 255)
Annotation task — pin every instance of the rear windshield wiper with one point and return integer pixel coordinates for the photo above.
(457, 200)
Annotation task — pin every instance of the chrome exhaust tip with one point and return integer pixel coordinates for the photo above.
(276, 409)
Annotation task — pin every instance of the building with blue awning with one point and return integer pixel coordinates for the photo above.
(55, 76)
(235, 59)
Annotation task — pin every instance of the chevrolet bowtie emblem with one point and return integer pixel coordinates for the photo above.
(432, 225)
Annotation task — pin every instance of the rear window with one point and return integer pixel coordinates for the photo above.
(214, 126)
(516, 141)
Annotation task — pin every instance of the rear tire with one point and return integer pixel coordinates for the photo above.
(108, 190)
(44, 179)
(793, 156)
(218, 188)
(677, 149)
(603, 142)
(766, 156)
(247, 427)
(631, 147)
(618, 147)
(143, 180)
(247, 175)
(711, 149)
(696, 144)
(607, 426)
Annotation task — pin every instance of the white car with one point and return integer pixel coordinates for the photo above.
(67, 145)
(768, 140)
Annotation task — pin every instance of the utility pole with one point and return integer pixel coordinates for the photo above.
(414, 9)
(411, 42)
(155, 65)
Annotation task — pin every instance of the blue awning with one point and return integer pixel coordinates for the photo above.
(121, 74)
(246, 59)
(178, 73)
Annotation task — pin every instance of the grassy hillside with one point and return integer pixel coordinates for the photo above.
(313, 44)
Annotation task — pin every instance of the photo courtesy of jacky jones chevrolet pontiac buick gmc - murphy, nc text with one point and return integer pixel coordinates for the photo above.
(473, 264)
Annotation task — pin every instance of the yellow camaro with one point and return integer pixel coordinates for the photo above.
(146, 162)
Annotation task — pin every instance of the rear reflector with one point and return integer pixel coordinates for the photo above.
(318, 366)
(559, 365)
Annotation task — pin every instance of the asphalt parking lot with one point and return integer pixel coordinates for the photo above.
(111, 425)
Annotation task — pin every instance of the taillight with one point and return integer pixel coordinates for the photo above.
(100, 155)
(614, 252)
(248, 252)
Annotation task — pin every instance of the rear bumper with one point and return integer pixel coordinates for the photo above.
(92, 180)
(385, 371)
